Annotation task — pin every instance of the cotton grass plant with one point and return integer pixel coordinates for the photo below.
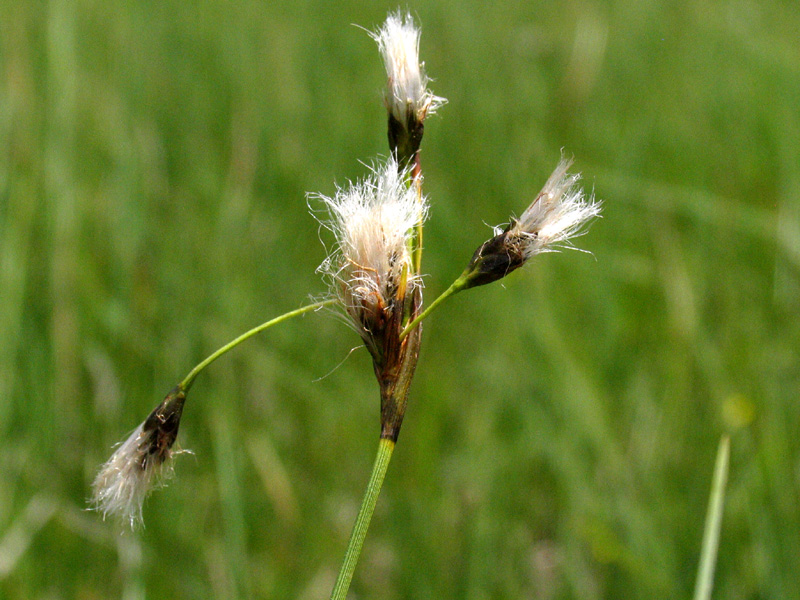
(375, 283)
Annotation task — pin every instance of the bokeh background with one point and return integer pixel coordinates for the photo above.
(561, 435)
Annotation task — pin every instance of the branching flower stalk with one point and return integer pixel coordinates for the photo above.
(375, 279)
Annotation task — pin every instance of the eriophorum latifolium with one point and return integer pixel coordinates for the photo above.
(140, 463)
(373, 275)
(374, 280)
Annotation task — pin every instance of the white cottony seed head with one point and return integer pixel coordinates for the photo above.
(374, 222)
(407, 91)
(559, 213)
(131, 473)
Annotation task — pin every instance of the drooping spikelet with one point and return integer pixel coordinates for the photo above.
(140, 464)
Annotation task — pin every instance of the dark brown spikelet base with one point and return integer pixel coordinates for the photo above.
(160, 429)
(396, 384)
(405, 138)
(494, 259)
(393, 360)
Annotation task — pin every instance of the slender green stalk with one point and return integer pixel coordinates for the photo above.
(385, 449)
(418, 241)
(708, 556)
(455, 287)
(189, 379)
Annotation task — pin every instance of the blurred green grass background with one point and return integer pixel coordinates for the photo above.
(560, 438)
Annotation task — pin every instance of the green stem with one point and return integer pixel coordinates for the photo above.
(418, 184)
(189, 379)
(716, 501)
(385, 449)
(458, 285)
(418, 250)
